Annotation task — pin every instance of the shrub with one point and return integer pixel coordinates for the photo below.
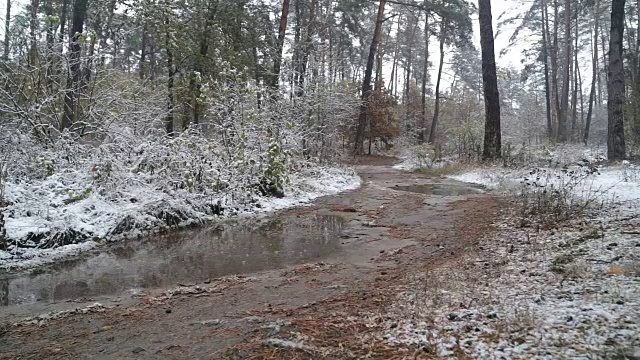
(551, 195)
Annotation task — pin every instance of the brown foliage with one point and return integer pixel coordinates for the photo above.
(382, 120)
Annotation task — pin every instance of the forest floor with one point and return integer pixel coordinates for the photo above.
(427, 267)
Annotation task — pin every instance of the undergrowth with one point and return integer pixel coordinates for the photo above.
(548, 196)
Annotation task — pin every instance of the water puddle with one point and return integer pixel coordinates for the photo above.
(440, 189)
(182, 257)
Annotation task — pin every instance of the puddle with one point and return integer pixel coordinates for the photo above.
(179, 258)
(440, 189)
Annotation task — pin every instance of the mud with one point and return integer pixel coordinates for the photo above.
(441, 189)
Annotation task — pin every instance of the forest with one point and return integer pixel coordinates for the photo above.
(219, 100)
(311, 179)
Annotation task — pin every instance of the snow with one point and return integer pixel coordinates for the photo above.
(39, 207)
(415, 157)
(619, 183)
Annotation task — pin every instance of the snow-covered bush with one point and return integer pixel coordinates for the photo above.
(119, 173)
(550, 195)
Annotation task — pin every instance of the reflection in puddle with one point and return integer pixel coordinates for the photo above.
(181, 257)
(441, 189)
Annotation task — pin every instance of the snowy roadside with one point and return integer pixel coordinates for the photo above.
(90, 217)
(619, 183)
(572, 291)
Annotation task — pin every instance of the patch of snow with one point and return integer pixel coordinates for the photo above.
(40, 320)
(615, 182)
(489, 177)
(35, 257)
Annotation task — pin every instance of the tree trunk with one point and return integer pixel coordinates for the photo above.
(168, 123)
(277, 63)
(425, 71)
(407, 84)
(104, 37)
(555, 98)
(306, 50)
(594, 78)
(436, 108)
(75, 73)
(615, 84)
(200, 64)
(637, 55)
(394, 67)
(564, 105)
(153, 63)
(297, 45)
(574, 94)
(492, 132)
(143, 52)
(379, 60)
(581, 103)
(636, 84)
(33, 33)
(63, 21)
(86, 72)
(366, 82)
(605, 60)
(48, 10)
(545, 55)
(7, 26)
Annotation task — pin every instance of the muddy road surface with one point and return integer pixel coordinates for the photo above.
(292, 285)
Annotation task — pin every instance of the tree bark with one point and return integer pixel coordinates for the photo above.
(574, 94)
(605, 60)
(63, 21)
(75, 73)
(277, 63)
(306, 50)
(636, 83)
(436, 108)
(581, 103)
(492, 132)
(425, 71)
(168, 124)
(366, 82)
(33, 33)
(48, 10)
(555, 98)
(545, 55)
(616, 149)
(200, 63)
(143, 52)
(407, 84)
(7, 26)
(564, 105)
(594, 78)
(104, 37)
(394, 67)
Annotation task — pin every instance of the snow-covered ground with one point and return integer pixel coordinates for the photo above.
(57, 205)
(569, 292)
(618, 183)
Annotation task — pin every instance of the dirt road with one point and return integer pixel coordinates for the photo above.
(395, 225)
